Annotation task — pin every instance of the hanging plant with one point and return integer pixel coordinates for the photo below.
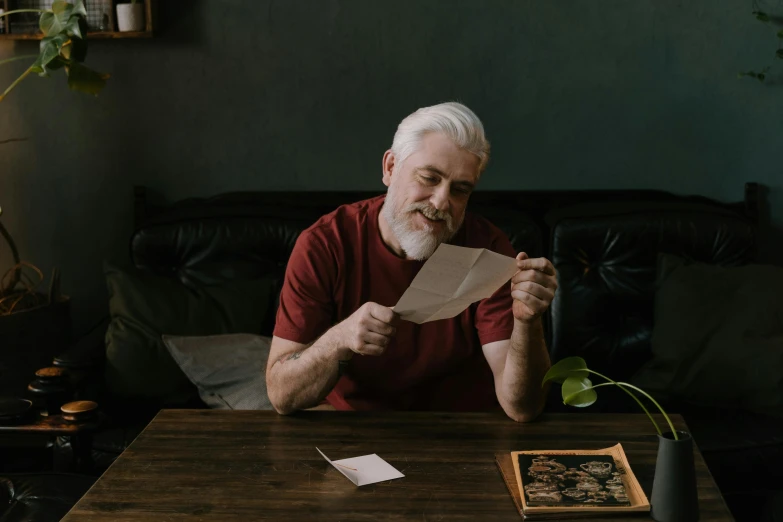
(775, 23)
(63, 47)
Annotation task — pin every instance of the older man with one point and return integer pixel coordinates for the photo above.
(336, 336)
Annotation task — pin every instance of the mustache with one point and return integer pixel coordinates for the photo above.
(430, 212)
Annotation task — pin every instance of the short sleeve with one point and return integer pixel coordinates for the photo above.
(494, 317)
(306, 303)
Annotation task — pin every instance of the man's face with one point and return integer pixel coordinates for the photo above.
(428, 193)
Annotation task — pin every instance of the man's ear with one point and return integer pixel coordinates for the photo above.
(388, 167)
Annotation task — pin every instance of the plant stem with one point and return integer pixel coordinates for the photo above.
(15, 11)
(16, 82)
(14, 254)
(668, 420)
(619, 385)
(15, 58)
(623, 384)
(634, 397)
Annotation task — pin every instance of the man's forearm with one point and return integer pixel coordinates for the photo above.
(302, 379)
(520, 392)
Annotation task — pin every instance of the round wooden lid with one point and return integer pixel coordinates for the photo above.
(78, 407)
(52, 372)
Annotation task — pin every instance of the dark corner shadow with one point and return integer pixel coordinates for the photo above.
(180, 22)
(770, 235)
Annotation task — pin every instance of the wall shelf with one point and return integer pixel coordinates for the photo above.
(10, 34)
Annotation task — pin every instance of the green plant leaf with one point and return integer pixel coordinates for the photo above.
(55, 64)
(52, 24)
(73, 28)
(46, 22)
(779, 53)
(780, 34)
(57, 20)
(58, 41)
(49, 52)
(570, 366)
(50, 49)
(761, 77)
(60, 6)
(37, 68)
(78, 8)
(84, 79)
(761, 15)
(578, 392)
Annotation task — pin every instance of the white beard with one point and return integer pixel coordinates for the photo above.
(416, 243)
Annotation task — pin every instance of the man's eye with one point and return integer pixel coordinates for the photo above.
(462, 191)
(429, 179)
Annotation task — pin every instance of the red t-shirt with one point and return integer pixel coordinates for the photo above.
(340, 263)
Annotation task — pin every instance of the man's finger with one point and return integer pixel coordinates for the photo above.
(376, 339)
(383, 313)
(535, 290)
(381, 328)
(531, 301)
(532, 275)
(541, 264)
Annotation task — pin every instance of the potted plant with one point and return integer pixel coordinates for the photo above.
(674, 495)
(130, 16)
(35, 322)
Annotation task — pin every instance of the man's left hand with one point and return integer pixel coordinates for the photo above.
(532, 287)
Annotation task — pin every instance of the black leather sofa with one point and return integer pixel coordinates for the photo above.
(604, 245)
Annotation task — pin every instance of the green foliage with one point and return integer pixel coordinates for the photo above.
(64, 46)
(767, 19)
(760, 76)
(579, 391)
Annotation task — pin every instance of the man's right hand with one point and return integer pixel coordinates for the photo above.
(369, 330)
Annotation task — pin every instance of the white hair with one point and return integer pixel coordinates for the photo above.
(452, 119)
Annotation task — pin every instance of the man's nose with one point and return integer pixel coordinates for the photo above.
(440, 198)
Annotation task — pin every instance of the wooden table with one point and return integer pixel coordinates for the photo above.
(253, 465)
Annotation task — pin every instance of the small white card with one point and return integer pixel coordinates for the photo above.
(364, 470)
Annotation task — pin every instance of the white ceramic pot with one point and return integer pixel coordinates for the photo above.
(130, 17)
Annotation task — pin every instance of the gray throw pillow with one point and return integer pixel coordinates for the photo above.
(718, 336)
(143, 305)
(228, 370)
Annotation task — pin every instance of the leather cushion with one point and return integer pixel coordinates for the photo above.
(40, 496)
(718, 336)
(245, 236)
(144, 306)
(606, 257)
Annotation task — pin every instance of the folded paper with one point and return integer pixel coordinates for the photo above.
(451, 280)
(364, 470)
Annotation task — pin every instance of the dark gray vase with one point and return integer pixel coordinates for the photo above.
(674, 496)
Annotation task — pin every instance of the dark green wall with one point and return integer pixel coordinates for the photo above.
(294, 95)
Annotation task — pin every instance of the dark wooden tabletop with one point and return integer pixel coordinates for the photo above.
(254, 465)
